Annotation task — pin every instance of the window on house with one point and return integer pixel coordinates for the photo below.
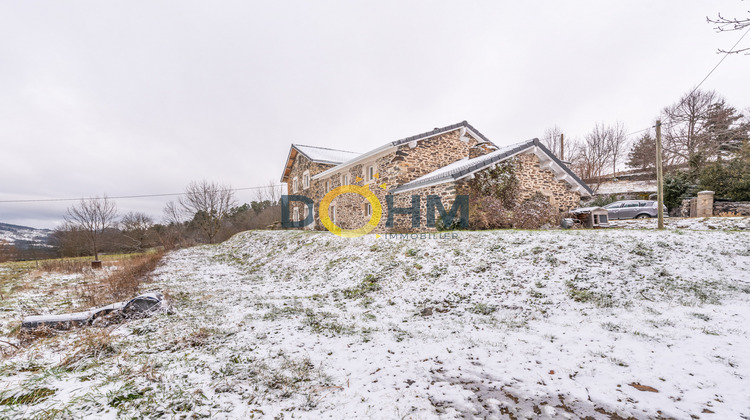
(370, 173)
(295, 214)
(306, 180)
(333, 214)
(345, 179)
(368, 209)
(295, 187)
(307, 211)
(328, 186)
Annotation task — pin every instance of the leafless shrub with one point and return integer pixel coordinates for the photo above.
(489, 213)
(535, 213)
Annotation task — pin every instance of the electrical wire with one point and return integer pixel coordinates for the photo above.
(726, 54)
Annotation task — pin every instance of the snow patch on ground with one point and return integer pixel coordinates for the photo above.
(534, 324)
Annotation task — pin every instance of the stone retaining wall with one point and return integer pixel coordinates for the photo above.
(741, 208)
(688, 208)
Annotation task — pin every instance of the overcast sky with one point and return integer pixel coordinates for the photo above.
(129, 98)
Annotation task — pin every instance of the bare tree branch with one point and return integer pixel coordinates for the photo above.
(93, 216)
(208, 203)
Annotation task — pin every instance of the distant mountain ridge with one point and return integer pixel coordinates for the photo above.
(23, 236)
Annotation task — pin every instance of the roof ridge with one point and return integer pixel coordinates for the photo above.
(405, 140)
(325, 148)
(467, 166)
(437, 130)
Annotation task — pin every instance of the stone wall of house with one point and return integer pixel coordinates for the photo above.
(403, 222)
(432, 154)
(406, 164)
(533, 179)
(300, 165)
(394, 169)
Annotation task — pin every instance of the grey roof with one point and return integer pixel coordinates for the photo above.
(324, 154)
(461, 168)
(390, 144)
(447, 173)
(437, 131)
(563, 165)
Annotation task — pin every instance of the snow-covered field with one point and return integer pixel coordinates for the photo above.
(503, 324)
(14, 233)
(703, 223)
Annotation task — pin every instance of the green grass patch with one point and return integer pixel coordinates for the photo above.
(32, 397)
(369, 284)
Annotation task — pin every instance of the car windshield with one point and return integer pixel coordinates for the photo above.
(613, 205)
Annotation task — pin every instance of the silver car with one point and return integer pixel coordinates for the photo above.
(633, 209)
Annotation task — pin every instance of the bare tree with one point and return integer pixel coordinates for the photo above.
(209, 204)
(616, 143)
(70, 240)
(724, 24)
(699, 128)
(270, 192)
(551, 139)
(93, 216)
(685, 125)
(136, 226)
(600, 148)
(172, 214)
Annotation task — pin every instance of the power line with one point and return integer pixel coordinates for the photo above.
(726, 54)
(44, 200)
(639, 131)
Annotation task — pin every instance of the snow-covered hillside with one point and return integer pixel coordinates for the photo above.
(23, 235)
(516, 324)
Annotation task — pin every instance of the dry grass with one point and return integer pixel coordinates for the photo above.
(121, 282)
(65, 265)
(729, 214)
(124, 282)
(89, 348)
(197, 338)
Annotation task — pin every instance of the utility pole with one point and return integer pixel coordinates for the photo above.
(659, 177)
(562, 146)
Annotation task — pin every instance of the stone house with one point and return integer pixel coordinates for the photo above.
(436, 163)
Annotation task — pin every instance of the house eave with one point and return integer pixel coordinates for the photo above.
(372, 154)
(547, 159)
